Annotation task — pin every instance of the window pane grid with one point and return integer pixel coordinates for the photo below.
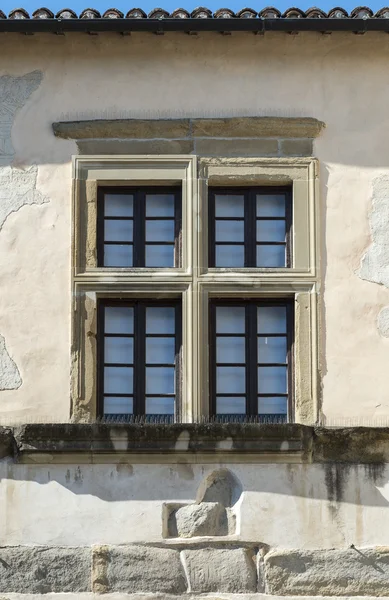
(267, 217)
(155, 218)
(146, 386)
(255, 384)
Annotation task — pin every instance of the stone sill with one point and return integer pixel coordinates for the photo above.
(103, 442)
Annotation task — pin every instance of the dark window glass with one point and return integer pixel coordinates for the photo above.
(139, 227)
(250, 227)
(250, 354)
(139, 347)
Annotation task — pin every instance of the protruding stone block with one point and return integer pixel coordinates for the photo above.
(139, 569)
(221, 570)
(207, 518)
(350, 572)
(40, 570)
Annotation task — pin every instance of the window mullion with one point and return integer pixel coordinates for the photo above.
(139, 359)
(251, 360)
(139, 228)
(250, 229)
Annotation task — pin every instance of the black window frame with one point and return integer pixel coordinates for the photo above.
(139, 219)
(139, 364)
(250, 219)
(251, 357)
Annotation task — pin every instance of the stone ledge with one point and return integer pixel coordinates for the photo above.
(241, 127)
(250, 441)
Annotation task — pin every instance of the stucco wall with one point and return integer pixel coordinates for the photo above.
(340, 79)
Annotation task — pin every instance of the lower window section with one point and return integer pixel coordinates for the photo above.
(251, 360)
(139, 350)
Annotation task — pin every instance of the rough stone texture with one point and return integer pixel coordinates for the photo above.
(207, 518)
(41, 570)
(123, 128)
(236, 147)
(383, 322)
(141, 569)
(375, 262)
(14, 92)
(300, 147)
(17, 189)
(9, 373)
(221, 570)
(363, 445)
(135, 147)
(220, 486)
(257, 127)
(332, 572)
(100, 559)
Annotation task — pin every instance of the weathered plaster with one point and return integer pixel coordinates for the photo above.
(383, 322)
(10, 378)
(375, 262)
(14, 92)
(17, 189)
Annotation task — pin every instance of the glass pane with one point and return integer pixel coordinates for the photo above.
(118, 406)
(270, 231)
(229, 256)
(117, 256)
(119, 350)
(230, 380)
(160, 256)
(272, 349)
(118, 205)
(160, 319)
(230, 349)
(160, 350)
(272, 380)
(271, 319)
(119, 319)
(118, 231)
(229, 231)
(230, 406)
(160, 231)
(159, 205)
(270, 205)
(230, 319)
(160, 406)
(118, 380)
(160, 380)
(271, 256)
(273, 406)
(229, 206)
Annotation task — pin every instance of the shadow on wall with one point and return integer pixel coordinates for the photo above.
(181, 485)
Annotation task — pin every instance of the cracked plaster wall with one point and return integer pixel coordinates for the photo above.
(352, 151)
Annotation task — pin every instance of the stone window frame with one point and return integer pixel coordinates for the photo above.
(194, 282)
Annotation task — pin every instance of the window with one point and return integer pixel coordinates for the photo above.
(138, 227)
(251, 359)
(139, 345)
(195, 296)
(250, 227)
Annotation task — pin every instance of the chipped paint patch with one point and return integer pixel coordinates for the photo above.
(375, 262)
(17, 189)
(10, 378)
(383, 322)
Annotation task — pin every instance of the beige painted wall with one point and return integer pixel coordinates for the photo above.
(340, 79)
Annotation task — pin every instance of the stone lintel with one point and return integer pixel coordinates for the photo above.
(228, 127)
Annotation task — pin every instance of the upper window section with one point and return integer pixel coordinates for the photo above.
(250, 227)
(139, 227)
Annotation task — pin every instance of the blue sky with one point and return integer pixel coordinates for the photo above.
(170, 5)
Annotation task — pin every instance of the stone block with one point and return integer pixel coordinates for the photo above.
(257, 127)
(236, 147)
(135, 146)
(29, 570)
(123, 128)
(225, 570)
(350, 572)
(302, 147)
(135, 568)
(207, 518)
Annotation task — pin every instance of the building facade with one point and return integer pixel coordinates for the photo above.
(194, 307)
